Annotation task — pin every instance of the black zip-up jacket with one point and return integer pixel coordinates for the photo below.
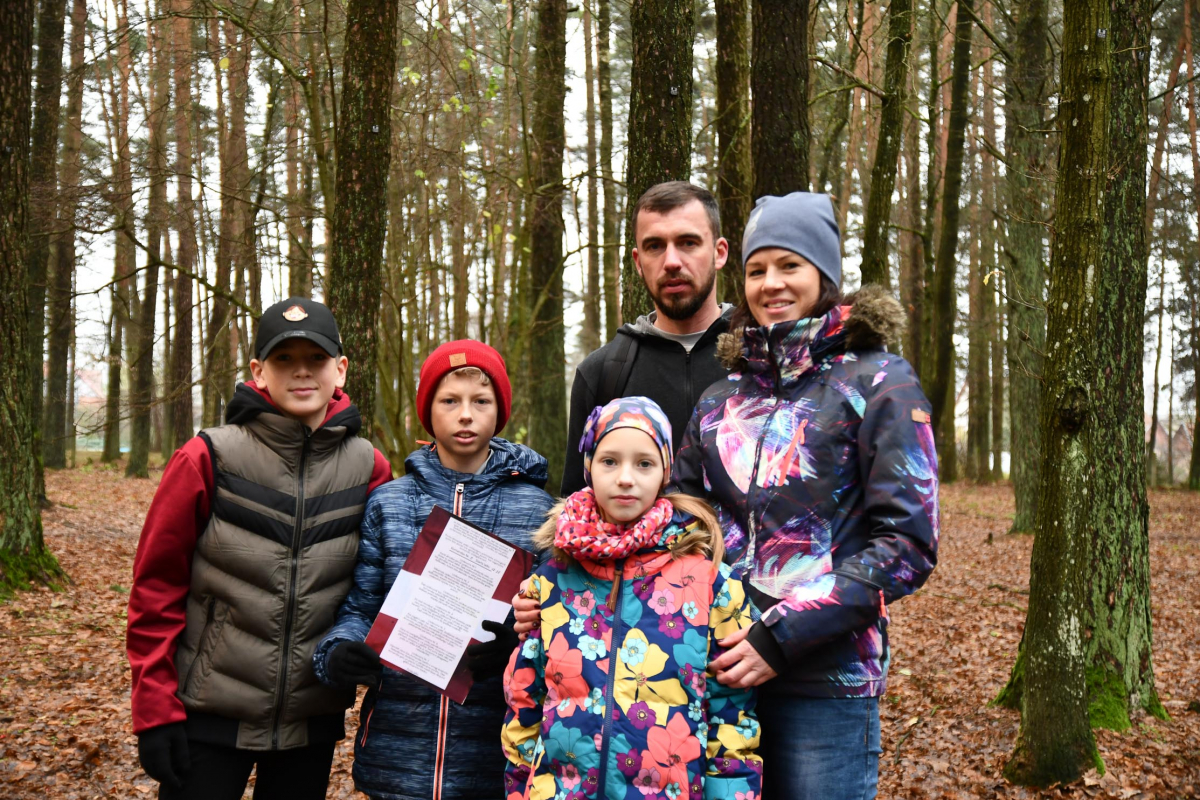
(663, 371)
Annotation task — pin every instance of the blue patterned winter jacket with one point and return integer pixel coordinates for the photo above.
(419, 745)
(818, 454)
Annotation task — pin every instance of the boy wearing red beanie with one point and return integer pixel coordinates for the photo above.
(418, 743)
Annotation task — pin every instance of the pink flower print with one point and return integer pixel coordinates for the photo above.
(671, 625)
(598, 739)
(663, 601)
(584, 603)
(569, 775)
(745, 795)
(647, 781)
(641, 716)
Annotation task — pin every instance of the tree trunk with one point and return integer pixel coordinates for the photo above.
(1194, 471)
(779, 83)
(23, 554)
(1151, 453)
(943, 386)
(887, 151)
(612, 222)
(1025, 149)
(42, 194)
(979, 385)
(548, 401)
(58, 314)
(660, 118)
(991, 280)
(1160, 139)
(358, 221)
(141, 396)
(735, 167)
(1086, 652)
(590, 339)
(180, 382)
(912, 256)
(299, 258)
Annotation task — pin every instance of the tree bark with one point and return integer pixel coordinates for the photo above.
(660, 118)
(1025, 149)
(590, 338)
(141, 396)
(180, 383)
(943, 386)
(612, 221)
(547, 413)
(887, 151)
(23, 554)
(735, 173)
(42, 193)
(61, 275)
(1151, 454)
(358, 221)
(1194, 469)
(1087, 646)
(779, 83)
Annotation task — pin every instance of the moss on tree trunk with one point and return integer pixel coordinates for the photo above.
(23, 554)
(1085, 657)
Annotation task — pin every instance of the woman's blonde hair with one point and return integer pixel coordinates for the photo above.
(704, 537)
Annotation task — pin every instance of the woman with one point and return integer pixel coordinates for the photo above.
(818, 456)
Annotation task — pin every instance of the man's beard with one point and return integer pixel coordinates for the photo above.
(684, 307)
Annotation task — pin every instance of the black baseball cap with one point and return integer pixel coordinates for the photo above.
(297, 318)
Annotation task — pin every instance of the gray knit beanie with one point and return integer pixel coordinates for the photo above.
(802, 222)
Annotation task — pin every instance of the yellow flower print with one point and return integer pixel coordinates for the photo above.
(732, 615)
(632, 682)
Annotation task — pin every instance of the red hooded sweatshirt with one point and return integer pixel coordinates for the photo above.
(162, 571)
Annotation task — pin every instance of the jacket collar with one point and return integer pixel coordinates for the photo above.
(508, 460)
(783, 353)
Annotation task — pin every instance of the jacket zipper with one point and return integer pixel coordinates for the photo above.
(752, 491)
(687, 386)
(439, 763)
(612, 677)
(293, 570)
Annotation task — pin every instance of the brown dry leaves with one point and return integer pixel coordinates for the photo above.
(64, 682)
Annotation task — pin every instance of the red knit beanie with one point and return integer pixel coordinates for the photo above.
(456, 355)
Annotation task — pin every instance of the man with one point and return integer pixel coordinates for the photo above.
(668, 355)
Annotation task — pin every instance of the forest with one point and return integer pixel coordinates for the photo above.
(1023, 175)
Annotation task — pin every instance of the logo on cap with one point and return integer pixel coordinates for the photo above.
(295, 314)
(458, 359)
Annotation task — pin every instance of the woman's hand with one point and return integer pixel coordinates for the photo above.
(527, 610)
(742, 666)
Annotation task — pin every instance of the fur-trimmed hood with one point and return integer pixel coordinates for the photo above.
(876, 321)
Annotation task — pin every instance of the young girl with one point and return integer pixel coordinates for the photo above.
(611, 700)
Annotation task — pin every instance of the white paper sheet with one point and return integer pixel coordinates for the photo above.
(439, 611)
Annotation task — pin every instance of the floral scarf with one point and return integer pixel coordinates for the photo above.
(583, 533)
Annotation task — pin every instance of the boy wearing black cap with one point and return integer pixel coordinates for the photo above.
(246, 553)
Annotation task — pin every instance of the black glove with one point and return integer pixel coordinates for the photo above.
(163, 752)
(488, 659)
(352, 663)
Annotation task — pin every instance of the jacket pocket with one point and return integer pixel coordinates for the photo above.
(208, 638)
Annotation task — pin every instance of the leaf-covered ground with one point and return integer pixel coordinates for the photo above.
(64, 683)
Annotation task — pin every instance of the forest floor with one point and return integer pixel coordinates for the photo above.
(64, 682)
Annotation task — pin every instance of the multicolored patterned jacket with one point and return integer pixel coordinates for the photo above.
(612, 701)
(817, 453)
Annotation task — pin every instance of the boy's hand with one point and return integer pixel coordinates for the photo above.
(163, 752)
(352, 663)
(527, 610)
(488, 659)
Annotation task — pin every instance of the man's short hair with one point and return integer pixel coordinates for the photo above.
(664, 197)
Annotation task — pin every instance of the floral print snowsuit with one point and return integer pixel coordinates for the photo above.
(611, 699)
